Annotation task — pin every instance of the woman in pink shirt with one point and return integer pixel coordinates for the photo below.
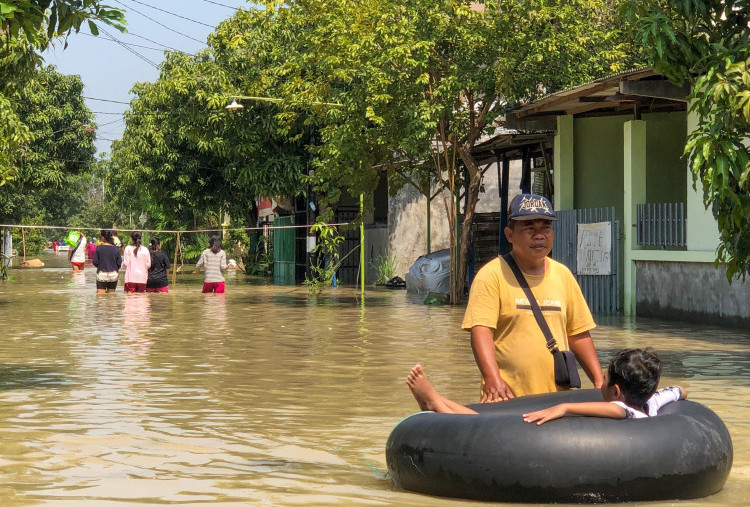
(136, 260)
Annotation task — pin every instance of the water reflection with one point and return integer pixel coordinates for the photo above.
(137, 322)
(264, 395)
(214, 312)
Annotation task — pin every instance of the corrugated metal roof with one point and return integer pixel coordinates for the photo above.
(609, 77)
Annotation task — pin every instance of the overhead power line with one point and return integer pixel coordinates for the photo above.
(173, 14)
(136, 53)
(109, 122)
(159, 23)
(107, 100)
(223, 5)
(159, 44)
(127, 43)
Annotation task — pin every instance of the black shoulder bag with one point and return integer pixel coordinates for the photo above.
(566, 372)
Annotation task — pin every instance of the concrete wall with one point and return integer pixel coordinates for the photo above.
(598, 162)
(407, 227)
(691, 291)
(407, 217)
(702, 228)
(666, 134)
(598, 159)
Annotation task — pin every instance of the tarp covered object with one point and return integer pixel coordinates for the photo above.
(430, 273)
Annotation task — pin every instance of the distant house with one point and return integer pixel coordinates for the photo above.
(507, 156)
(618, 159)
(267, 210)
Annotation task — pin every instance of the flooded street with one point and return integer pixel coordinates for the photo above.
(265, 395)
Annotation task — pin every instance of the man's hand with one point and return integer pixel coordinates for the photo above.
(495, 390)
(483, 345)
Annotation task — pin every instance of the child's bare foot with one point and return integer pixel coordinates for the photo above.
(426, 395)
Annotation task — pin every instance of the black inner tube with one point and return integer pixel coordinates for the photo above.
(685, 452)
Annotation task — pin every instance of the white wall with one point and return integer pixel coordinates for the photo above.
(407, 217)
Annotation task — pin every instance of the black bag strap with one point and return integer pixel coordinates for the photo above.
(78, 245)
(551, 342)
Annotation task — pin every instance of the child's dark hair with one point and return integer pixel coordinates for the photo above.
(637, 372)
(215, 243)
(107, 235)
(152, 246)
(136, 237)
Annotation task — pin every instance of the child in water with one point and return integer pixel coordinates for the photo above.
(214, 262)
(629, 392)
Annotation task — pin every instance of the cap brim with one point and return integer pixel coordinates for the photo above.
(533, 217)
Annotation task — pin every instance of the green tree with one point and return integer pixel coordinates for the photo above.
(53, 165)
(706, 45)
(187, 159)
(39, 21)
(17, 63)
(422, 81)
(26, 28)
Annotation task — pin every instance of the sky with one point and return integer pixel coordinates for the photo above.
(109, 69)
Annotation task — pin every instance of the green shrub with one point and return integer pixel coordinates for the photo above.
(385, 268)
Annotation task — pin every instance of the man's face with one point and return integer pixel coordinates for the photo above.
(531, 239)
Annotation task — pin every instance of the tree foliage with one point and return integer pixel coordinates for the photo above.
(368, 88)
(706, 44)
(39, 21)
(187, 158)
(26, 28)
(421, 82)
(53, 164)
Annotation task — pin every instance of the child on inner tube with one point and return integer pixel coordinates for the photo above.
(629, 392)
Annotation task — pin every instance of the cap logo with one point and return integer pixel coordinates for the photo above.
(534, 205)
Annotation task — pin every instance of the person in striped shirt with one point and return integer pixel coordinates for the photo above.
(214, 262)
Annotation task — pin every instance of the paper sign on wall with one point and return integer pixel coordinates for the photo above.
(595, 249)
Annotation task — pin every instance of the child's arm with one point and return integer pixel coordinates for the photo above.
(591, 409)
(199, 264)
(664, 396)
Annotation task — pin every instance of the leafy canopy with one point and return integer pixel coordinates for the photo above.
(420, 82)
(53, 164)
(26, 28)
(706, 44)
(39, 21)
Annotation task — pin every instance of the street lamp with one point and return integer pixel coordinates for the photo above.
(234, 106)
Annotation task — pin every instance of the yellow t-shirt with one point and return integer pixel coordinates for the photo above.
(497, 301)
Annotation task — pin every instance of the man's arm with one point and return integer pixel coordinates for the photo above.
(483, 345)
(583, 347)
(591, 409)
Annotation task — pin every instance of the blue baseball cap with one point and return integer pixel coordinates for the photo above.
(531, 207)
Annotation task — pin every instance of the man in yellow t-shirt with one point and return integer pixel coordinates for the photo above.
(509, 347)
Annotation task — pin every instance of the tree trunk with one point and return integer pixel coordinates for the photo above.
(472, 197)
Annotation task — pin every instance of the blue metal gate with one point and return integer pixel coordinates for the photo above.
(602, 292)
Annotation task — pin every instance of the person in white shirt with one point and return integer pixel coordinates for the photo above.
(214, 262)
(77, 254)
(629, 391)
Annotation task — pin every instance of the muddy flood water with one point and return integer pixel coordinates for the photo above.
(265, 395)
